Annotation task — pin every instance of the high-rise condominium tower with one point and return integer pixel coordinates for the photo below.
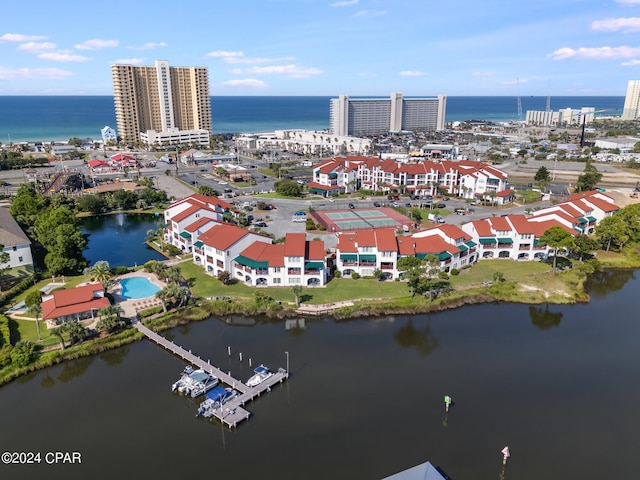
(371, 116)
(160, 98)
(632, 101)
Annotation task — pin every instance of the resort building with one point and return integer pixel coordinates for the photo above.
(305, 142)
(376, 116)
(184, 220)
(631, 109)
(14, 242)
(108, 134)
(217, 248)
(565, 116)
(77, 303)
(162, 104)
(297, 261)
(366, 251)
(453, 246)
(465, 178)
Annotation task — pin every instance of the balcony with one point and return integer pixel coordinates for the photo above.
(312, 272)
(294, 271)
(387, 266)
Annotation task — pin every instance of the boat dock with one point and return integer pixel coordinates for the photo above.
(232, 412)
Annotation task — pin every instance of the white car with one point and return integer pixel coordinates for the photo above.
(222, 182)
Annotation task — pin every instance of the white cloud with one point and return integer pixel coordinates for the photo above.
(148, 46)
(617, 24)
(411, 73)
(369, 13)
(254, 60)
(628, 2)
(33, 73)
(516, 81)
(225, 54)
(631, 63)
(344, 3)
(292, 71)
(483, 74)
(63, 56)
(96, 44)
(129, 61)
(247, 82)
(595, 53)
(18, 37)
(36, 47)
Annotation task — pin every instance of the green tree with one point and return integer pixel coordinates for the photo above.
(23, 353)
(556, 238)
(297, 292)
(584, 245)
(33, 302)
(110, 318)
(288, 188)
(207, 191)
(100, 272)
(589, 179)
(4, 260)
(542, 178)
(612, 230)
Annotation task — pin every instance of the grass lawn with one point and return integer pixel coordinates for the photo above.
(339, 289)
(533, 273)
(27, 330)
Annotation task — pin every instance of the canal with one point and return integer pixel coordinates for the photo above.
(557, 384)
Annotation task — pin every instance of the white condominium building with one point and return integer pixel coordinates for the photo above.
(632, 101)
(372, 116)
(160, 98)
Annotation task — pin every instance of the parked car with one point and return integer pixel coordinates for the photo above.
(260, 224)
(475, 202)
(396, 204)
(352, 206)
(408, 205)
(440, 205)
(376, 204)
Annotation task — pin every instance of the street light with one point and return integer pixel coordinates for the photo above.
(287, 354)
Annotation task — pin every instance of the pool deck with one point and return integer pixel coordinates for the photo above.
(131, 307)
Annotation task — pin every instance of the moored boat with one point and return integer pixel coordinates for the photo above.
(216, 398)
(261, 373)
(195, 383)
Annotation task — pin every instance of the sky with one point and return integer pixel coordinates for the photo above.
(328, 47)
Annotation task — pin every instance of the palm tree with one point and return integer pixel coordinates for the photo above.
(297, 291)
(110, 317)
(173, 274)
(100, 271)
(36, 310)
(59, 332)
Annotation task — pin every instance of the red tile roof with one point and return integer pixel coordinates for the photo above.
(295, 244)
(223, 236)
(72, 301)
(265, 252)
(199, 223)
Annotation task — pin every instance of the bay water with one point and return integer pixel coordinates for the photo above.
(364, 400)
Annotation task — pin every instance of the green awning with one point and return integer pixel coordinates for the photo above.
(349, 257)
(313, 265)
(249, 262)
(367, 258)
(582, 220)
(536, 242)
(166, 225)
(421, 256)
(470, 244)
(198, 244)
(488, 241)
(185, 234)
(592, 219)
(505, 240)
(463, 248)
(578, 228)
(444, 256)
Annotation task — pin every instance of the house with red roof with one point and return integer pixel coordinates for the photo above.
(454, 247)
(297, 261)
(464, 178)
(185, 219)
(365, 251)
(77, 303)
(218, 247)
(513, 236)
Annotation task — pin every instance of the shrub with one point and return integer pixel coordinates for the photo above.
(121, 270)
(355, 275)
(455, 271)
(443, 275)
(337, 274)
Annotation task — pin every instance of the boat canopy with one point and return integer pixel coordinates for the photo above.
(216, 394)
(201, 377)
(261, 369)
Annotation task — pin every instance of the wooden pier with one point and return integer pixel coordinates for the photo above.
(231, 413)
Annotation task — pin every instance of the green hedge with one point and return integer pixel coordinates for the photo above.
(5, 333)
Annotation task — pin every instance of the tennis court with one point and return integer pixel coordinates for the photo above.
(355, 219)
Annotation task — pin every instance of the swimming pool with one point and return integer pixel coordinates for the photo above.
(137, 287)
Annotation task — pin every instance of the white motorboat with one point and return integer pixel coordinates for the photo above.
(261, 373)
(195, 383)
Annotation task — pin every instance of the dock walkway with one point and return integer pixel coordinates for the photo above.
(231, 413)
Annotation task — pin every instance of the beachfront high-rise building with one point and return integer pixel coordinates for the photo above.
(161, 102)
(373, 116)
(631, 109)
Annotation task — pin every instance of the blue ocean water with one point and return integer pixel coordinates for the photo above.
(59, 118)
